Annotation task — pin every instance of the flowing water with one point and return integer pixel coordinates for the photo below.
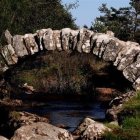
(70, 113)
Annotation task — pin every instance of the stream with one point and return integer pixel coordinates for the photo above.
(70, 113)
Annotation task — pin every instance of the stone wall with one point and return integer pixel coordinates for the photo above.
(125, 56)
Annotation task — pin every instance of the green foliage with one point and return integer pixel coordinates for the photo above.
(99, 26)
(124, 22)
(24, 16)
(129, 133)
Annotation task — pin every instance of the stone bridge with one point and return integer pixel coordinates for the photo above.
(125, 56)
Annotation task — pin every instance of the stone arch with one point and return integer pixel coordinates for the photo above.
(125, 56)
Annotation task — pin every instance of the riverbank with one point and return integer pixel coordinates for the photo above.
(129, 121)
(128, 115)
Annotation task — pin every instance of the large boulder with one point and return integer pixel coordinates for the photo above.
(41, 131)
(91, 130)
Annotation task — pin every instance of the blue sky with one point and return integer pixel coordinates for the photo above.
(88, 9)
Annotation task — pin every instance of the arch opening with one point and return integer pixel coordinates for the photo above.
(67, 75)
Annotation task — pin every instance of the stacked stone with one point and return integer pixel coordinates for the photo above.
(124, 55)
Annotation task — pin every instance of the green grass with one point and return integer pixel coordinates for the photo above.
(134, 103)
(130, 128)
(131, 123)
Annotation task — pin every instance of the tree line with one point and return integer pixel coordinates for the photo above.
(24, 16)
(124, 22)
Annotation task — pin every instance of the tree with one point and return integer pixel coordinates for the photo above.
(124, 22)
(23, 16)
(135, 13)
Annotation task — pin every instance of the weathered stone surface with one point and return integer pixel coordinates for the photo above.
(110, 33)
(84, 37)
(65, 35)
(57, 40)
(127, 55)
(26, 118)
(9, 54)
(136, 84)
(86, 46)
(73, 39)
(48, 39)
(8, 37)
(19, 46)
(3, 64)
(40, 34)
(69, 39)
(101, 43)
(124, 55)
(41, 131)
(3, 138)
(30, 43)
(132, 72)
(90, 129)
(112, 49)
